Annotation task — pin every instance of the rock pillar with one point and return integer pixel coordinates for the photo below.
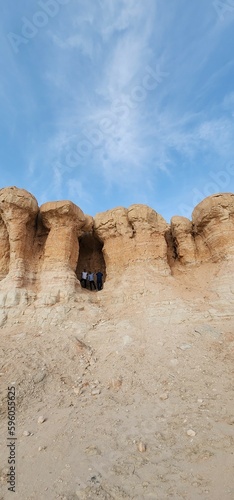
(18, 210)
(66, 222)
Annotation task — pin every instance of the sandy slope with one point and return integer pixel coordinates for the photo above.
(156, 370)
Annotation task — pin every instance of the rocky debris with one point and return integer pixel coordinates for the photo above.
(92, 450)
(26, 433)
(184, 347)
(39, 377)
(95, 392)
(141, 447)
(191, 433)
(41, 419)
(164, 396)
(77, 390)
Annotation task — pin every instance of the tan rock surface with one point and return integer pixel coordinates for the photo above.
(213, 221)
(18, 210)
(132, 236)
(182, 229)
(4, 250)
(66, 222)
(40, 248)
(149, 359)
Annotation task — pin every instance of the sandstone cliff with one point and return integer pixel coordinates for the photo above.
(43, 250)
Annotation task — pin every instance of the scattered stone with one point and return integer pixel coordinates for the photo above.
(183, 347)
(93, 450)
(164, 396)
(26, 433)
(191, 433)
(77, 390)
(94, 392)
(141, 447)
(200, 401)
(41, 419)
(39, 377)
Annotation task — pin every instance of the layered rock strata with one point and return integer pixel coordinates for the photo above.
(132, 236)
(18, 210)
(39, 247)
(209, 236)
(65, 222)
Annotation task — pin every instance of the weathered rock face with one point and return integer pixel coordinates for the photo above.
(183, 240)
(43, 250)
(209, 236)
(213, 222)
(65, 222)
(4, 250)
(18, 210)
(130, 236)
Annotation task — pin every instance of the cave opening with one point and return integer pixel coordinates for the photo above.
(90, 255)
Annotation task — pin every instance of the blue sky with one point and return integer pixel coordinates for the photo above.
(114, 102)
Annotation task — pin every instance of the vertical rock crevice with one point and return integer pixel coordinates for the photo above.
(90, 255)
(4, 250)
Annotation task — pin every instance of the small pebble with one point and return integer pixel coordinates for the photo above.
(94, 392)
(142, 447)
(26, 433)
(164, 396)
(191, 433)
(39, 377)
(77, 390)
(41, 419)
(183, 347)
(200, 400)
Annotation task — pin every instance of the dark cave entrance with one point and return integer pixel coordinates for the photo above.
(90, 255)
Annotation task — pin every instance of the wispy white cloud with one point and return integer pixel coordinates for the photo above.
(80, 84)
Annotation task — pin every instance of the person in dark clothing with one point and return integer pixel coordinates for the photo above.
(91, 281)
(99, 276)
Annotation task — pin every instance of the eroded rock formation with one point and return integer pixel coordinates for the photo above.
(18, 210)
(39, 247)
(66, 223)
(131, 236)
